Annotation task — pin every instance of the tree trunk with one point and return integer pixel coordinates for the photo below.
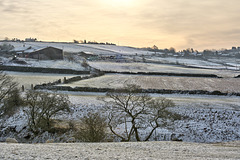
(135, 130)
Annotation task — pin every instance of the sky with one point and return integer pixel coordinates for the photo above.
(198, 24)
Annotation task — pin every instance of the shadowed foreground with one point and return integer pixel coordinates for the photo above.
(146, 150)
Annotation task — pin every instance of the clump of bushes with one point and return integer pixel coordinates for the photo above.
(92, 128)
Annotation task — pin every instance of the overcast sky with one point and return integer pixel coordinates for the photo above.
(199, 24)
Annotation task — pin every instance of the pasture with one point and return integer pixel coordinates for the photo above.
(161, 82)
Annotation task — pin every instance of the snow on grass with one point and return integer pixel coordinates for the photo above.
(210, 118)
(161, 82)
(28, 78)
(206, 101)
(124, 50)
(71, 47)
(130, 151)
(225, 122)
(188, 62)
(150, 67)
(116, 50)
(208, 124)
(59, 64)
(62, 64)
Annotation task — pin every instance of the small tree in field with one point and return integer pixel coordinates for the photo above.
(92, 128)
(133, 111)
(41, 107)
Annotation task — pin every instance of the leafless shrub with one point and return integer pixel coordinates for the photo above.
(92, 128)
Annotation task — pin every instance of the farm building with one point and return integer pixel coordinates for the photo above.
(48, 53)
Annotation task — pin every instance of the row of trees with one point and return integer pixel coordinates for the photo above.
(191, 53)
(128, 109)
(154, 48)
(92, 42)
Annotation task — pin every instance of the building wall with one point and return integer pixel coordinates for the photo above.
(48, 53)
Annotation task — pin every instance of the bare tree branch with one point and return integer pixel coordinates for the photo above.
(129, 105)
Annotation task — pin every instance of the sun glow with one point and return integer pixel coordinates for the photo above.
(120, 2)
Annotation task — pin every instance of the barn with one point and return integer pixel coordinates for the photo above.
(48, 53)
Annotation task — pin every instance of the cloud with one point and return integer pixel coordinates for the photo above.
(187, 18)
(177, 23)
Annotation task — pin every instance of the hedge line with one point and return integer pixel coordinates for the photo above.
(41, 70)
(237, 76)
(168, 74)
(78, 78)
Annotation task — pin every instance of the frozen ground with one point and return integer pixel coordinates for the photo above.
(71, 47)
(187, 62)
(114, 151)
(218, 63)
(218, 102)
(165, 68)
(161, 82)
(28, 78)
(60, 64)
(211, 118)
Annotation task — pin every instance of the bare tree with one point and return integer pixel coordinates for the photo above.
(41, 107)
(7, 87)
(132, 110)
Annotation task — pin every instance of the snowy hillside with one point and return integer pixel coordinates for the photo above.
(72, 47)
(130, 54)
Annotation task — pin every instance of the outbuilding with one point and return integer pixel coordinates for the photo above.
(48, 53)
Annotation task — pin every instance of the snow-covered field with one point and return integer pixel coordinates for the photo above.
(211, 118)
(150, 67)
(222, 63)
(130, 151)
(230, 63)
(62, 64)
(189, 62)
(28, 78)
(201, 101)
(90, 48)
(161, 82)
